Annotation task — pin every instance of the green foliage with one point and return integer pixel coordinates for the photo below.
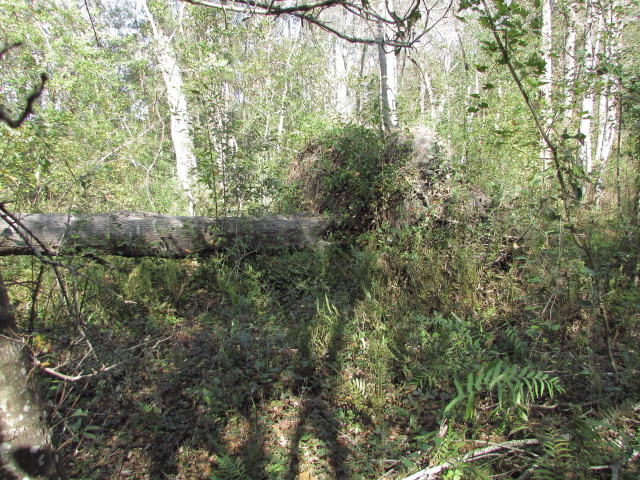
(352, 172)
(155, 281)
(229, 468)
(330, 361)
(507, 380)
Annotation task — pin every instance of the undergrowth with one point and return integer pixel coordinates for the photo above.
(403, 348)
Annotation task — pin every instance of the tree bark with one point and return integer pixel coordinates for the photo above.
(132, 234)
(388, 75)
(591, 51)
(547, 77)
(613, 25)
(571, 14)
(26, 451)
(180, 118)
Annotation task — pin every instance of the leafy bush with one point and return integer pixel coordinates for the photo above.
(352, 172)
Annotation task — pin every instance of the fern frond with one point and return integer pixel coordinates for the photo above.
(502, 377)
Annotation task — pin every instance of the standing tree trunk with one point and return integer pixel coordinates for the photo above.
(25, 444)
(359, 90)
(571, 15)
(388, 75)
(425, 87)
(547, 77)
(590, 51)
(340, 57)
(613, 25)
(180, 118)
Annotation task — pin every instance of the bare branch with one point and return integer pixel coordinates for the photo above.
(30, 100)
(26, 235)
(310, 12)
(28, 109)
(6, 48)
(103, 368)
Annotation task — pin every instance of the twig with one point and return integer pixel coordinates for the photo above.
(93, 25)
(55, 373)
(26, 236)
(473, 455)
(102, 369)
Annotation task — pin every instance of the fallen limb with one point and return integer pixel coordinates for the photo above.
(131, 234)
(474, 455)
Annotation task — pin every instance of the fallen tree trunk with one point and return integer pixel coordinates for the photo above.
(131, 234)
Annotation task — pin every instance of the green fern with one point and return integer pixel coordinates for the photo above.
(509, 382)
(559, 458)
(229, 468)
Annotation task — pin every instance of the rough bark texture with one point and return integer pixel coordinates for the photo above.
(25, 445)
(132, 234)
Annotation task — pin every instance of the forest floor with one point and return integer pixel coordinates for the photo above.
(442, 326)
(297, 369)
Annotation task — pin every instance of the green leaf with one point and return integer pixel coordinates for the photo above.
(523, 415)
(469, 410)
(528, 384)
(496, 374)
(489, 46)
(470, 383)
(459, 386)
(454, 402)
(523, 372)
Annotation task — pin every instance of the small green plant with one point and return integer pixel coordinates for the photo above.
(509, 381)
(229, 468)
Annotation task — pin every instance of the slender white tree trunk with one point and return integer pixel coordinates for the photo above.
(547, 77)
(283, 110)
(180, 118)
(388, 76)
(612, 25)
(388, 87)
(591, 44)
(285, 90)
(425, 87)
(359, 91)
(340, 58)
(607, 120)
(570, 61)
